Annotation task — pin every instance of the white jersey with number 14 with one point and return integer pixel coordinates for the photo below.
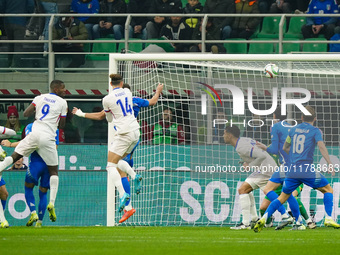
(119, 104)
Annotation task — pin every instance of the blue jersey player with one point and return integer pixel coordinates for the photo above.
(138, 103)
(37, 171)
(300, 145)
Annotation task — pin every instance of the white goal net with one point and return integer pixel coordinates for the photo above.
(190, 175)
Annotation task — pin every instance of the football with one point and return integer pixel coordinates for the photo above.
(271, 70)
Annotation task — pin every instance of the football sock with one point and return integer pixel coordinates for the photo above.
(126, 168)
(302, 208)
(262, 213)
(272, 196)
(2, 215)
(30, 200)
(42, 204)
(5, 163)
(272, 208)
(3, 202)
(328, 202)
(253, 212)
(294, 207)
(116, 179)
(127, 188)
(54, 184)
(245, 208)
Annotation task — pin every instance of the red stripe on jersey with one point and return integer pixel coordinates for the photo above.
(4, 130)
(33, 104)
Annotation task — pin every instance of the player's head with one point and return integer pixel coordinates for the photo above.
(231, 133)
(277, 113)
(309, 118)
(167, 115)
(58, 87)
(116, 80)
(126, 86)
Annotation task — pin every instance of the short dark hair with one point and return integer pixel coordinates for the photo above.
(126, 86)
(309, 118)
(116, 79)
(56, 84)
(234, 130)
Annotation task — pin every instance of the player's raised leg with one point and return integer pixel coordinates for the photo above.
(137, 178)
(328, 202)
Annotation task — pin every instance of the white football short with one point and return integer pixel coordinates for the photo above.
(124, 143)
(257, 180)
(43, 143)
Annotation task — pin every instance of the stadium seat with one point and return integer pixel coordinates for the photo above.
(315, 47)
(237, 48)
(133, 46)
(289, 47)
(294, 29)
(270, 27)
(261, 48)
(102, 47)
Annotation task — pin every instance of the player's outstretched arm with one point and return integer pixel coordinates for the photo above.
(92, 116)
(29, 110)
(324, 153)
(155, 98)
(7, 143)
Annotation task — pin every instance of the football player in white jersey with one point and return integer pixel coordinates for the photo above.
(118, 109)
(50, 114)
(257, 161)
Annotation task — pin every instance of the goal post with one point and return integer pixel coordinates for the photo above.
(190, 176)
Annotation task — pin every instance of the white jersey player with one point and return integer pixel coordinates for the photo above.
(259, 163)
(50, 113)
(118, 110)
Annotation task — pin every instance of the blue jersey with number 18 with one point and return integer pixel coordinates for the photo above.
(303, 138)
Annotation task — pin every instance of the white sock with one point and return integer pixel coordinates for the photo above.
(54, 184)
(112, 168)
(265, 217)
(253, 211)
(6, 163)
(126, 168)
(128, 207)
(245, 208)
(2, 215)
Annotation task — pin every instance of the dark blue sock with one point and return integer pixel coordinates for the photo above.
(127, 188)
(273, 207)
(3, 202)
(42, 204)
(30, 198)
(272, 196)
(328, 202)
(294, 207)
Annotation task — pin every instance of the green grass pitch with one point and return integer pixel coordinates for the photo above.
(166, 240)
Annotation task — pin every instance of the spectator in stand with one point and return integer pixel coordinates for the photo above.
(15, 27)
(111, 24)
(14, 123)
(264, 5)
(320, 25)
(138, 24)
(166, 131)
(154, 26)
(192, 7)
(49, 6)
(302, 6)
(283, 6)
(244, 27)
(221, 7)
(68, 29)
(176, 29)
(212, 33)
(88, 7)
(19, 165)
